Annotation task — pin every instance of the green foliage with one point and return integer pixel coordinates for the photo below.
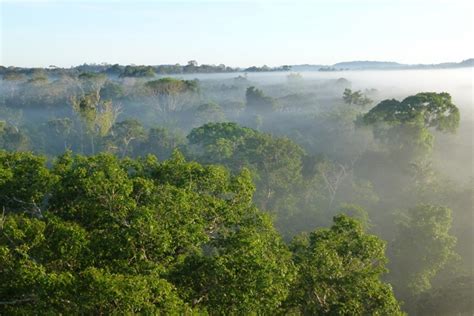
(12, 139)
(431, 110)
(258, 102)
(24, 181)
(453, 298)
(405, 126)
(210, 133)
(168, 86)
(119, 236)
(161, 142)
(96, 116)
(170, 94)
(244, 270)
(123, 136)
(276, 162)
(356, 98)
(339, 272)
(108, 234)
(111, 91)
(209, 112)
(138, 72)
(13, 76)
(356, 212)
(422, 247)
(428, 109)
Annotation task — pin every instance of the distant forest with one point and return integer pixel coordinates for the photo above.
(192, 67)
(135, 71)
(125, 190)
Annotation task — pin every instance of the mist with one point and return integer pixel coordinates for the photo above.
(305, 138)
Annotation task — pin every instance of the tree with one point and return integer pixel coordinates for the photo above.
(454, 298)
(122, 135)
(405, 126)
(12, 138)
(246, 270)
(210, 133)
(171, 94)
(294, 78)
(96, 116)
(24, 182)
(111, 91)
(208, 112)
(333, 174)
(429, 109)
(60, 131)
(161, 143)
(92, 83)
(275, 162)
(356, 98)
(138, 72)
(12, 79)
(191, 67)
(258, 102)
(422, 247)
(339, 271)
(134, 236)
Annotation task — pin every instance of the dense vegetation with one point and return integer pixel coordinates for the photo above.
(124, 192)
(134, 71)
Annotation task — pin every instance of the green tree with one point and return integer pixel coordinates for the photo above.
(356, 98)
(421, 248)
(24, 182)
(161, 142)
(258, 102)
(339, 271)
(453, 298)
(59, 135)
(96, 116)
(112, 91)
(208, 112)
(170, 94)
(12, 138)
(405, 126)
(124, 134)
(245, 270)
(127, 236)
(275, 162)
(138, 72)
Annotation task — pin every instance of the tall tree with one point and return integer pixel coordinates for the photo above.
(421, 248)
(339, 272)
(405, 126)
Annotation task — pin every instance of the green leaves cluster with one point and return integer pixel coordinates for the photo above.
(275, 162)
(339, 272)
(258, 102)
(356, 98)
(422, 247)
(99, 235)
(121, 237)
(405, 126)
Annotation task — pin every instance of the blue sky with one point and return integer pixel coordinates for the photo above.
(236, 33)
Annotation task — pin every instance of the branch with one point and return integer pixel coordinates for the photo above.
(2, 220)
(17, 301)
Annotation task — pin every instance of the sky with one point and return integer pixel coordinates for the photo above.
(236, 33)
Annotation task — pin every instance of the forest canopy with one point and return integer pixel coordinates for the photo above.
(129, 190)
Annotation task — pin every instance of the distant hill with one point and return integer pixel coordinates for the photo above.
(307, 67)
(380, 65)
(467, 63)
(352, 65)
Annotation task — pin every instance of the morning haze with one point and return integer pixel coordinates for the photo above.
(236, 157)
